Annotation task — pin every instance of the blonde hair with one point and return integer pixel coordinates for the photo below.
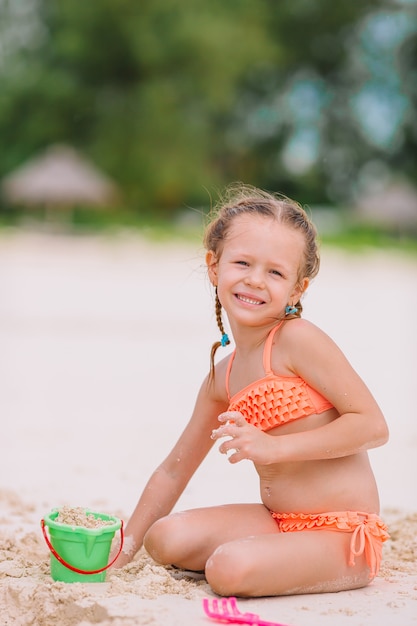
(244, 199)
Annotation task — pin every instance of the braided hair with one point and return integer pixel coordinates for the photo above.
(244, 199)
(225, 341)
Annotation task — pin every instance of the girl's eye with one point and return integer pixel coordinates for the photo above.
(276, 273)
(245, 263)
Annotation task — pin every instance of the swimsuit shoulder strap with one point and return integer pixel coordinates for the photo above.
(266, 357)
(228, 370)
(268, 349)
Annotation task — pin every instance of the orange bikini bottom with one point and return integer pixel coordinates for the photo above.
(368, 531)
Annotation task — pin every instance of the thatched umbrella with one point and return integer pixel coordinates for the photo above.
(58, 178)
(394, 206)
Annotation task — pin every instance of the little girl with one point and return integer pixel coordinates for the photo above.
(288, 400)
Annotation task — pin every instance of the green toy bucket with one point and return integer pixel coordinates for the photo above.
(80, 554)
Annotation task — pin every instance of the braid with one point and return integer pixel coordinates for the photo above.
(246, 200)
(299, 309)
(225, 339)
(219, 319)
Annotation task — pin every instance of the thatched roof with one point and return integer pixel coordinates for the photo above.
(58, 177)
(393, 205)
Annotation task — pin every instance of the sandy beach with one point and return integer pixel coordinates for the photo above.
(104, 342)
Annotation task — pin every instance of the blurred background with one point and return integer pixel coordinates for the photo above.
(123, 112)
(121, 122)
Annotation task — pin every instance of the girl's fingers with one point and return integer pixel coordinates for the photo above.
(228, 430)
(235, 457)
(233, 417)
(230, 420)
(228, 446)
(222, 431)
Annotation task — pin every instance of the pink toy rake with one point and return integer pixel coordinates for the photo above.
(225, 610)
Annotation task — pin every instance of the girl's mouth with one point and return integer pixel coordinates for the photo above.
(249, 300)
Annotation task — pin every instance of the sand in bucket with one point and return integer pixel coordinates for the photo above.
(80, 542)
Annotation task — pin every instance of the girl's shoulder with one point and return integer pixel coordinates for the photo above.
(300, 329)
(300, 339)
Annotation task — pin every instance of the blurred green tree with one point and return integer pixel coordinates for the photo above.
(337, 103)
(138, 86)
(172, 97)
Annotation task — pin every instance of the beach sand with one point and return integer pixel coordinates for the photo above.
(104, 342)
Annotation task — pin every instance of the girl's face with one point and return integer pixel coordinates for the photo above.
(256, 273)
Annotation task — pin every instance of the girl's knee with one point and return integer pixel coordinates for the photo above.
(161, 539)
(227, 573)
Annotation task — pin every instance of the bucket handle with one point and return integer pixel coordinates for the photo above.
(76, 569)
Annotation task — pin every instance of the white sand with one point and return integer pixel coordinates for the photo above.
(103, 345)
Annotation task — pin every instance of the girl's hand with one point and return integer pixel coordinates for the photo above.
(246, 440)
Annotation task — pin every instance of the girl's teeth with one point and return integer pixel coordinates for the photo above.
(249, 300)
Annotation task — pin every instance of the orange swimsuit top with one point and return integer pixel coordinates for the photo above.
(275, 400)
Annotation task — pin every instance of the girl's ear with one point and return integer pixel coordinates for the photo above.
(212, 264)
(300, 288)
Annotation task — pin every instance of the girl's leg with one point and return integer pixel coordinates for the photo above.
(189, 538)
(286, 564)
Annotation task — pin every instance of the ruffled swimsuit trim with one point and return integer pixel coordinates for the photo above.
(275, 400)
(368, 531)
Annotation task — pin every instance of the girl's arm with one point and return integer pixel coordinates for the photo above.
(312, 355)
(169, 480)
(360, 426)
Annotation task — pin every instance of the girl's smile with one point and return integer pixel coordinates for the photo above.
(249, 299)
(258, 269)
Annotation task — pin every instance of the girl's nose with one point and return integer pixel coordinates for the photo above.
(255, 278)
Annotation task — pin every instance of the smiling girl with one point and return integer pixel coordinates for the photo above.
(287, 400)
